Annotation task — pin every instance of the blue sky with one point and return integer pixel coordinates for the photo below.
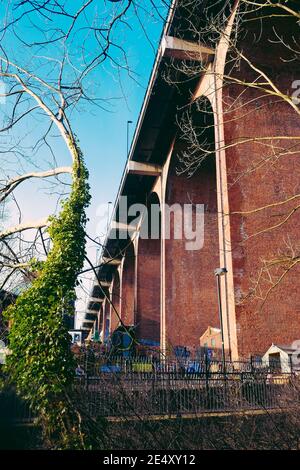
(102, 134)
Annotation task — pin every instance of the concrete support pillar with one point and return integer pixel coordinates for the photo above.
(215, 94)
(115, 312)
(128, 281)
(148, 315)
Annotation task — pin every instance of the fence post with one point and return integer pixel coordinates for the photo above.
(206, 372)
(153, 408)
(251, 364)
(291, 364)
(168, 390)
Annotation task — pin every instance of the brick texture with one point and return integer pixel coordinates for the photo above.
(191, 298)
(148, 289)
(260, 174)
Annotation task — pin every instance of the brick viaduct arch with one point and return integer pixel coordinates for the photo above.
(190, 293)
(187, 303)
(185, 280)
(148, 280)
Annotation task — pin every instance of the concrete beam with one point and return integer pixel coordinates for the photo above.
(88, 321)
(122, 226)
(92, 311)
(185, 50)
(112, 261)
(103, 283)
(96, 300)
(146, 169)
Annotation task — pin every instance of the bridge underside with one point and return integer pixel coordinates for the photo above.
(165, 286)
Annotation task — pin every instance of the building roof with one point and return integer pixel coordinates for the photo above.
(284, 347)
(211, 330)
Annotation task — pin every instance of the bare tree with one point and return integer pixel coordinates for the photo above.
(50, 76)
(47, 77)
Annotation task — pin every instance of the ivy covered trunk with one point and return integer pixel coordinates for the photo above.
(41, 364)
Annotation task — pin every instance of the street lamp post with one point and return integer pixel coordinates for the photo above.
(108, 214)
(128, 123)
(218, 273)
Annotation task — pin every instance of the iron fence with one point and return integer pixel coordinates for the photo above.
(94, 365)
(142, 386)
(118, 386)
(149, 397)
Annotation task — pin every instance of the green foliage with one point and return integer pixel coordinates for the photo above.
(41, 364)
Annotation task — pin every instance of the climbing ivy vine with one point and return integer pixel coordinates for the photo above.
(41, 364)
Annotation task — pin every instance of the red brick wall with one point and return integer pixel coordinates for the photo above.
(250, 115)
(100, 319)
(191, 298)
(148, 289)
(128, 280)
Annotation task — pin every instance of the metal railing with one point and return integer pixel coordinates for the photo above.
(142, 386)
(117, 386)
(94, 365)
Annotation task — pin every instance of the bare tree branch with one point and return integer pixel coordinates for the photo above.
(12, 184)
(23, 227)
